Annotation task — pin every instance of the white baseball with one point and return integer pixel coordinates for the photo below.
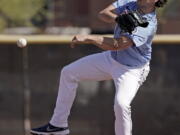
(22, 42)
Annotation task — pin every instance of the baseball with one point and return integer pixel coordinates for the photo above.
(22, 42)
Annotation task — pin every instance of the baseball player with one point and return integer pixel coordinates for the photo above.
(125, 60)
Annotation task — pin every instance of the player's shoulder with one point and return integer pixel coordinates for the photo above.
(124, 2)
(121, 5)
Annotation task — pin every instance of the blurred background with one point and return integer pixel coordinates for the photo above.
(29, 77)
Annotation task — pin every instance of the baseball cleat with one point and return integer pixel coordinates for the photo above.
(49, 129)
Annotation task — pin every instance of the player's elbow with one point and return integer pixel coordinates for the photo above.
(123, 43)
(105, 16)
(102, 15)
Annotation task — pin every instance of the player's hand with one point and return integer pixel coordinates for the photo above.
(79, 39)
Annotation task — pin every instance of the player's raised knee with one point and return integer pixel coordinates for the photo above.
(66, 70)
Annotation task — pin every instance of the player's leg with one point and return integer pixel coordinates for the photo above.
(93, 67)
(127, 82)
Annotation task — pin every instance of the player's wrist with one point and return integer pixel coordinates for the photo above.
(96, 40)
(90, 39)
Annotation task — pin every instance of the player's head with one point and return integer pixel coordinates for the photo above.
(160, 3)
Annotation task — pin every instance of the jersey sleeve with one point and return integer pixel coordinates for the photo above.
(140, 35)
(118, 4)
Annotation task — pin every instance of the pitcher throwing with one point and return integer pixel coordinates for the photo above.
(125, 60)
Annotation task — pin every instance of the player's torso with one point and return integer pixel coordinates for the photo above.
(135, 56)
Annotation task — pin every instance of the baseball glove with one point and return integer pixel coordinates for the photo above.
(130, 20)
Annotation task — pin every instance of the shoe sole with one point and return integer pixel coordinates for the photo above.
(65, 132)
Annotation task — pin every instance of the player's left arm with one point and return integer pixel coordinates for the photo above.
(108, 14)
(105, 43)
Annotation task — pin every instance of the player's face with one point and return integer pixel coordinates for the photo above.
(146, 2)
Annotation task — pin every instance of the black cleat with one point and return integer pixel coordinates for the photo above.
(50, 130)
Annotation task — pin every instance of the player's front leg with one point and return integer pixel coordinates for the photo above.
(93, 67)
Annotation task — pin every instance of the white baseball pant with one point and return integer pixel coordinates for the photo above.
(100, 66)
